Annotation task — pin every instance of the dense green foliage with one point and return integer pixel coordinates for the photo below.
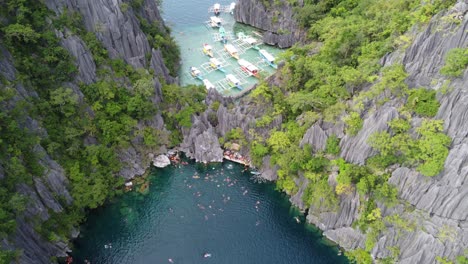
(333, 145)
(105, 115)
(423, 102)
(427, 151)
(456, 62)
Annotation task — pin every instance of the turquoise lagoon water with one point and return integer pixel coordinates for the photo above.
(187, 21)
(196, 209)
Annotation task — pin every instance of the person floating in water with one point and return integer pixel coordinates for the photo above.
(207, 255)
(170, 260)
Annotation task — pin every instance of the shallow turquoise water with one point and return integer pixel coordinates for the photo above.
(223, 212)
(186, 19)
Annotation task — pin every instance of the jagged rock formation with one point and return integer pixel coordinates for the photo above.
(278, 21)
(43, 194)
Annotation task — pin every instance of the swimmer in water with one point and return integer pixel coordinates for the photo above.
(170, 260)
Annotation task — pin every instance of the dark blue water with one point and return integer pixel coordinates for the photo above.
(223, 212)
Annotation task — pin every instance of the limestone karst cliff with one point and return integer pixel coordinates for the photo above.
(280, 27)
(117, 27)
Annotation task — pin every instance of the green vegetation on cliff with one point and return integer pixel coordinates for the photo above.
(85, 130)
(338, 79)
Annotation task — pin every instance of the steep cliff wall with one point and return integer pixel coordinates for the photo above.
(49, 194)
(277, 20)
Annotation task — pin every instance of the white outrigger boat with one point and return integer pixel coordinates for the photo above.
(216, 64)
(232, 7)
(217, 9)
(248, 67)
(208, 50)
(208, 84)
(234, 81)
(222, 34)
(196, 73)
(247, 39)
(232, 51)
(215, 21)
(266, 56)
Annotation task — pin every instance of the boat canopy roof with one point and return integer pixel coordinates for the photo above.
(248, 65)
(217, 6)
(232, 78)
(267, 55)
(250, 40)
(215, 19)
(208, 84)
(215, 61)
(195, 70)
(230, 48)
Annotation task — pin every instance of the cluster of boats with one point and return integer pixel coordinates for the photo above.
(249, 68)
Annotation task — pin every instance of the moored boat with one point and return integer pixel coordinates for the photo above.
(208, 84)
(232, 51)
(216, 64)
(266, 56)
(222, 34)
(217, 9)
(196, 73)
(208, 50)
(215, 21)
(248, 67)
(234, 81)
(232, 7)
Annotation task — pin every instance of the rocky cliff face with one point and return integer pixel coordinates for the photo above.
(277, 20)
(439, 209)
(437, 206)
(120, 33)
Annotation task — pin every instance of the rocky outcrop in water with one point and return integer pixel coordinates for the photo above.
(280, 27)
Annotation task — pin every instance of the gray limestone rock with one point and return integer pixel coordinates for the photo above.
(296, 198)
(426, 55)
(316, 137)
(132, 161)
(268, 172)
(201, 141)
(346, 237)
(83, 57)
(278, 21)
(346, 213)
(355, 148)
(161, 161)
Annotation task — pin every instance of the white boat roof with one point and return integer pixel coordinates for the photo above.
(233, 5)
(250, 40)
(215, 61)
(217, 6)
(267, 55)
(231, 48)
(208, 84)
(215, 19)
(248, 65)
(232, 78)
